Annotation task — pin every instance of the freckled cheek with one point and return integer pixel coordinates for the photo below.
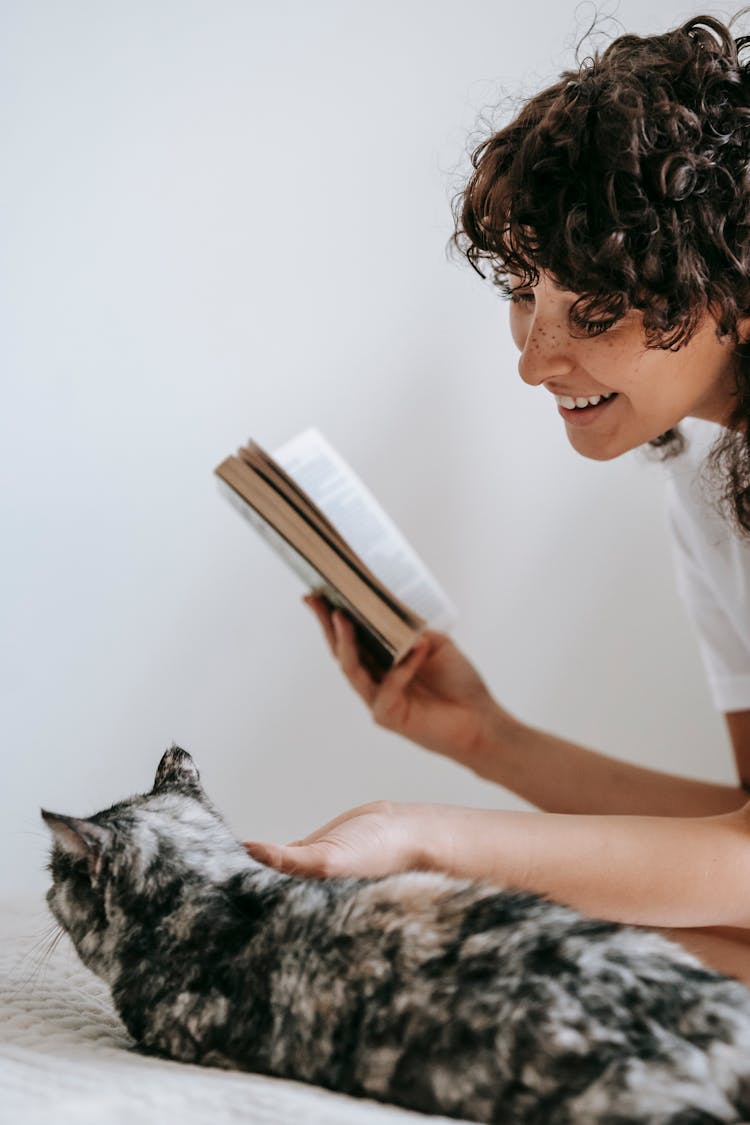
(519, 330)
(546, 338)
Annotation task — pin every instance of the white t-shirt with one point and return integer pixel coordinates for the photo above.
(713, 571)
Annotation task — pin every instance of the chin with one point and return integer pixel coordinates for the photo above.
(601, 450)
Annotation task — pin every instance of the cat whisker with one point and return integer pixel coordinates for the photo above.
(49, 940)
(91, 998)
(43, 938)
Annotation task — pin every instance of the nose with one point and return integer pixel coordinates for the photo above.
(545, 352)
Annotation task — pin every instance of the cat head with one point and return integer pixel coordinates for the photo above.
(137, 861)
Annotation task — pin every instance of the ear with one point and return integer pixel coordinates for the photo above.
(177, 770)
(80, 838)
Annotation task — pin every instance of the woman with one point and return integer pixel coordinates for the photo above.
(614, 212)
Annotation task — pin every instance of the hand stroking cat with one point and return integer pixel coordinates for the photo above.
(433, 993)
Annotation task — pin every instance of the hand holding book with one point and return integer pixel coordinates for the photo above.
(314, 511)
(434, 697)
(379, 607)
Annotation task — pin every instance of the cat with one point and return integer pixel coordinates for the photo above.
(428, 992)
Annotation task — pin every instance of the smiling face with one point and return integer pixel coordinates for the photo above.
(654, 388)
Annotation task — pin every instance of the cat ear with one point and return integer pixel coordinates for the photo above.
(80, 838)
(177, 770)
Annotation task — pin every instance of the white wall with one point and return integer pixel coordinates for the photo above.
(228, 219)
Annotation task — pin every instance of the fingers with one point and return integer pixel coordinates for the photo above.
(348, 658)
(342, 645)
(314, 860)
(401, 675)
(340, 635)
(324, 617)
(397, 680)
(269, 854)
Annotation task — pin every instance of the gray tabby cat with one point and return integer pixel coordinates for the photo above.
(432, 993)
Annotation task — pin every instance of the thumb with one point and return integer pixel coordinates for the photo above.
(316, 860)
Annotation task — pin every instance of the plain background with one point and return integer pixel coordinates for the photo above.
(225, 219)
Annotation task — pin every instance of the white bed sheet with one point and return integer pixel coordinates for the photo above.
(65, 1058)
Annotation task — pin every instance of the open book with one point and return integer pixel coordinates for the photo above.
(311, 507)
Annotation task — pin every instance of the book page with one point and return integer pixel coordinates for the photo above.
(353, 510)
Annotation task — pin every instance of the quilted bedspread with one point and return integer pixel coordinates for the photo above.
(65, 1058)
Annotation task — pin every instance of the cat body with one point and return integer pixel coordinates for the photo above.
(432, 993)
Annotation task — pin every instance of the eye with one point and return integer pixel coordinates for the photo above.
(596, 327)
(518, 296)
(515, 295)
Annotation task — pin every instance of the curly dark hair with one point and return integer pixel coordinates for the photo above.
(629, 181)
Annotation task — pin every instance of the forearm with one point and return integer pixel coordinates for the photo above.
(649, 871)
(563, 777)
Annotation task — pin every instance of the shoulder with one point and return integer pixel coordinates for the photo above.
(694, 518)
(684, 469)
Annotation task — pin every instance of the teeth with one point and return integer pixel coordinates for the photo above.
(571, 403)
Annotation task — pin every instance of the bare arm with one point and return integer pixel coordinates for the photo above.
(437, 699)
(622, 842)
(650, 871)
(679, 872)
(563, 777)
